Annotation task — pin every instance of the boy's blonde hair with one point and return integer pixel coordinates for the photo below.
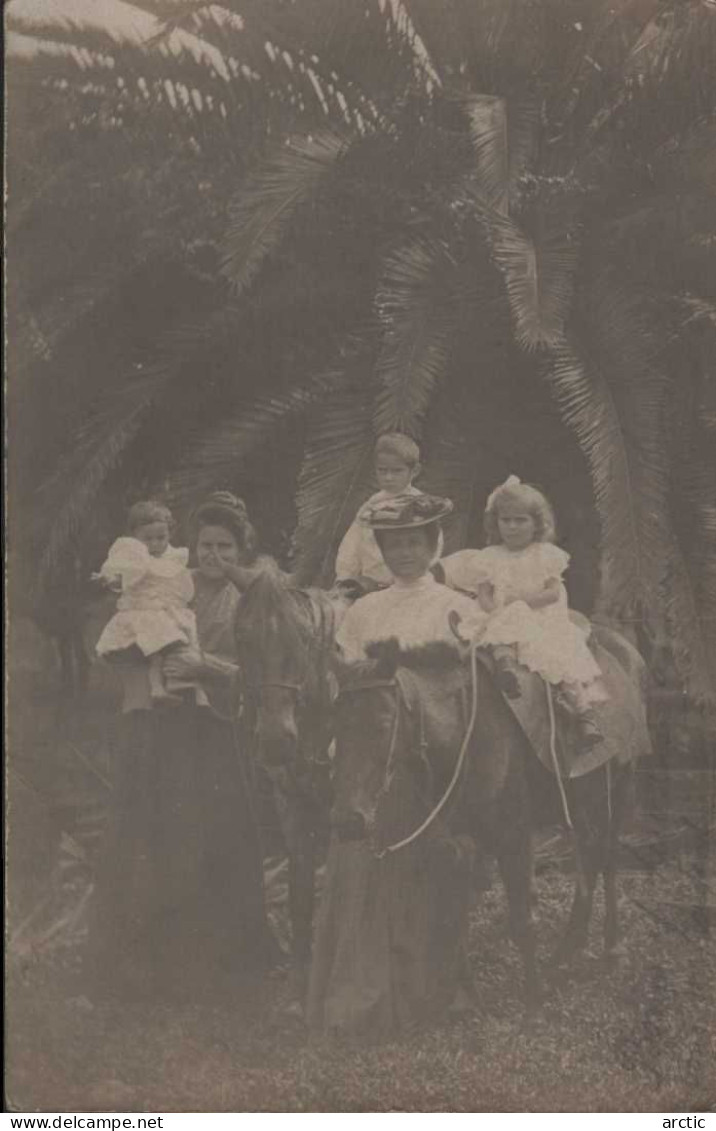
(534, 502)
(400, 445)
(146, 512)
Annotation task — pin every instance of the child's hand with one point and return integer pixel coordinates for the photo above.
(113, 583)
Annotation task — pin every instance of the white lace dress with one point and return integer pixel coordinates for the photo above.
(152, 609)
(414, 612)
(546, 640)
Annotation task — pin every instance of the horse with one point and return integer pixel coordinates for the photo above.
(400, 719)
(284, 639)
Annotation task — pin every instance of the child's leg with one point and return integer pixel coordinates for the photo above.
(506, 677)
(157, 687)
(575, 698)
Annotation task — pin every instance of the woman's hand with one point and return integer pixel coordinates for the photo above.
(184, 664)
(524, 595)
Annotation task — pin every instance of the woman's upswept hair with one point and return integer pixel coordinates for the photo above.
(222, 508)
(147, 511)
(535, 503)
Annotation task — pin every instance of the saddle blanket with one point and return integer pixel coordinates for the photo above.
(622, 719)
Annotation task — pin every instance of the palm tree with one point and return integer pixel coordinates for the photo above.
(487, 223)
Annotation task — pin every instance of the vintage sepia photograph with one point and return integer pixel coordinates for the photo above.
(360, 556)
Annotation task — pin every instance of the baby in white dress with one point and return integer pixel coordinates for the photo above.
(518, 582)
(155, 589)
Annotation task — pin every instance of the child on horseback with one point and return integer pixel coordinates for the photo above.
(518, 582)
(397, 463)
(155, 589)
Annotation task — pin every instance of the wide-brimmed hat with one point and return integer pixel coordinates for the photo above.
(403, 512)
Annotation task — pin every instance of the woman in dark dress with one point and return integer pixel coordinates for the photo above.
(178, 911)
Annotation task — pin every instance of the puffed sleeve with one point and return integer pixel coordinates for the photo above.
(553, 561)
(467, 569)
(348, 559)
(350, 635)
(179, 554)
(128, 559)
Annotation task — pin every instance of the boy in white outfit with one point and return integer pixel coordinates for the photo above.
(397, 464)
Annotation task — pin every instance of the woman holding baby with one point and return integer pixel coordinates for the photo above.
(178, 909)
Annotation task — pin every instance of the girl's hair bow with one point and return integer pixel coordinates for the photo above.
(511, 481)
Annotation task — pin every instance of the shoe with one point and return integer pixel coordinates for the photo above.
(589, 733)
(507, 681)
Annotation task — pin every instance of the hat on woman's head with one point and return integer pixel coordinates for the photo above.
(403, 512)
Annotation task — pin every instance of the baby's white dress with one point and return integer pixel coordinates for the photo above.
(152, 610)
(546, 640)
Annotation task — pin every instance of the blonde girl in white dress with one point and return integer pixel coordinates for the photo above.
(518, 582)
(155, 589)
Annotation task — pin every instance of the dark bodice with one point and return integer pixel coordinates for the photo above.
(215, 608)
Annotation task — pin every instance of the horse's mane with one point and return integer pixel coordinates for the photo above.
(269, 607)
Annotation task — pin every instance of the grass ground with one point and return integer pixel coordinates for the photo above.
(641, 1037)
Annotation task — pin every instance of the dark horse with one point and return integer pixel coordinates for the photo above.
(285, 639)
(401, 719)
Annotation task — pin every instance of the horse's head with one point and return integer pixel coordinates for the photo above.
(382, 734)
(281, 656)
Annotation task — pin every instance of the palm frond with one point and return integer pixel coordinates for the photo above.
(459, 467)
(613, 395)
(287, 180)
(337, 471)
(691, 576)
(504, 135)
(416, 304)
(538, 266)
(215, 457)
(101, 444)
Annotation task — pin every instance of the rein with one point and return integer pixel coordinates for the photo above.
(457, 772)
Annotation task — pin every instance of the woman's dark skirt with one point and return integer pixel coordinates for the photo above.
(178, 909)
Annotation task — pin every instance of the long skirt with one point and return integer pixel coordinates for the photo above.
(178, 908)
(390, 936)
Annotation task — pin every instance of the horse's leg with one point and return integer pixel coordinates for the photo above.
(66, 659)
(618, 782)
(294, 817)
(82, 665)
(514, 859)
(301, 894)
(590, 828)
(577, 929)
